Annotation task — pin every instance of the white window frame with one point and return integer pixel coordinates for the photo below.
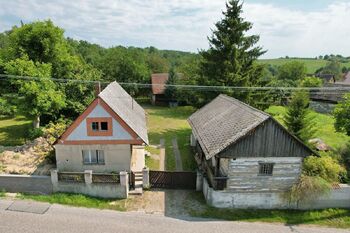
(100, 158)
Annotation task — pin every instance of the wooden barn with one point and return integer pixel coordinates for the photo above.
(240, 149)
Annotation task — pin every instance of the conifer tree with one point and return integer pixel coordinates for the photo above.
(229, 61)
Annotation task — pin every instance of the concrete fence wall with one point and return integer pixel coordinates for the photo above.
(103, 190)
(26, 184)
(338, 198)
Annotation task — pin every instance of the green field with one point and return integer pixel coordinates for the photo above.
(311, 64)
(323, 123)
(14, 131)
(169, 123)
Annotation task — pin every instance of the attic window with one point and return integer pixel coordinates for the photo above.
(104, 125)
(99, 126)
(94, 126)
(265, 169)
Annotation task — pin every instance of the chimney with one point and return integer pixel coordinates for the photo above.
(97, 88)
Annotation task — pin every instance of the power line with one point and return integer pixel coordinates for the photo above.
(184, 87)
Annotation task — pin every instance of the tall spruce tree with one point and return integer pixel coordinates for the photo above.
(229, 61)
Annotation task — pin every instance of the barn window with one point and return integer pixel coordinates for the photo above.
(265, 169)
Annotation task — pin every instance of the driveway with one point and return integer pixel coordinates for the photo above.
(58, 218)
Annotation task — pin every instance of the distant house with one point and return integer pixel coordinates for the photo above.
(247, 157)
(158, 87)
(326, 78)
(109, 136)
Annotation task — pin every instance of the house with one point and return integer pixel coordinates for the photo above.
(158, 87)
(326, 78)
(108, 137)
(248, 158)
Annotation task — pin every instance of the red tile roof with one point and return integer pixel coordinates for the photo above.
(159, 80)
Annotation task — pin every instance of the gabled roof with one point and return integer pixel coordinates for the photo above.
(223, 122)
(126, 108)
(158, 83)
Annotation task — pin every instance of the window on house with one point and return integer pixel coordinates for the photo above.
(265, 169)
(104, 125)
(99, 126)
(94, 126)
(93, 157)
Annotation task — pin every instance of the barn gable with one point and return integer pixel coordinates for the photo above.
(269, 139)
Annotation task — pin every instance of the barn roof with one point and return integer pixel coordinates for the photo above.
(127, 108)
(158, 83)
(224, 121)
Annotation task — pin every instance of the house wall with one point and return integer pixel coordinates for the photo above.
(80, 132)
(243, 174)
(117, 158)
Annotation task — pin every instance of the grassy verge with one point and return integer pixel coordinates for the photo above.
(78, 200)
(13, 131)
(324, 126)
(169, 123)
(339, 218)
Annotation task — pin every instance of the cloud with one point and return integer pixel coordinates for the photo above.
(184, 25)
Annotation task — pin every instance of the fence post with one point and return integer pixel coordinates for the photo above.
(145, 175)
(199, 181)
(88, 176)
(124, 182)
(54, 179)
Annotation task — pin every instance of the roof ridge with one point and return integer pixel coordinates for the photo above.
(246, 105)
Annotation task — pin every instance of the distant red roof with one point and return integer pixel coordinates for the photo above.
(159, 80)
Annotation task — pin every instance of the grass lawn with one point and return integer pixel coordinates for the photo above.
(324, 125)
(169, 123)
(151, 163)
(78, 200)
(13, 131)
(311, 64)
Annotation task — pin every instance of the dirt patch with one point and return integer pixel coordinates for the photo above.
(168, 202)
(31, 158)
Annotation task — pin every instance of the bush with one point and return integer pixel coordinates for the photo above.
(54, 130)
(307, 188)
(324, 167)
(35, 133)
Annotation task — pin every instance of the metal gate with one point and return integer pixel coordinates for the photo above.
(173, 180)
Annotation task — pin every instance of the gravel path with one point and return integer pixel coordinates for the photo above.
(177, 154)
(162, 155)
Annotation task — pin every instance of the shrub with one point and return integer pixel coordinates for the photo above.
(54, 130)
(35, 133)
(324, 167)
(307, 188)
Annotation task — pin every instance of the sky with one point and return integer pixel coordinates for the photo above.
(300, 28)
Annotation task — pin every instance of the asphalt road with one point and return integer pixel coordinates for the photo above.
(58, 218)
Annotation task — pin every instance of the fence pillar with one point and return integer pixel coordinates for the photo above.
(54, 179)
(88, 176)
(124, 182)
(54, 176)
(199, 181)
(145, 175)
